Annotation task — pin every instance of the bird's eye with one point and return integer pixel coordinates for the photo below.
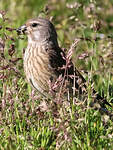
(34, 24)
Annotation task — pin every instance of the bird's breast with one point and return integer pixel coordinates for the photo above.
(37, 68)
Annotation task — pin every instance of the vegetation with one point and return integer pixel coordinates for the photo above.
(28, 121)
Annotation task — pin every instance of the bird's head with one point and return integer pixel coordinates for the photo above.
(39, 30)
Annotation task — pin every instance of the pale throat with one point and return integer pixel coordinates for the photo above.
(40, 40)
(35, 47)
(37, 40)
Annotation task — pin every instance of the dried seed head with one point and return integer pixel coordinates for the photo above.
(2, 45)
(11, 49)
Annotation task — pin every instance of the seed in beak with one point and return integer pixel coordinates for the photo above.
(21, 30)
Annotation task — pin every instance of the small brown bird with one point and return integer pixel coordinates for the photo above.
(45, 62)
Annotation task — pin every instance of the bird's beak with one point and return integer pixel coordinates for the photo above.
(22, 29)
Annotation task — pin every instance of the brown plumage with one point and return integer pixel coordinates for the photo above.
(44, 60)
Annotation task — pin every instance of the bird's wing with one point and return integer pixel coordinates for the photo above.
(58, 62)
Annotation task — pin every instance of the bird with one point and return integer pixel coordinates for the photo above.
(45, 62)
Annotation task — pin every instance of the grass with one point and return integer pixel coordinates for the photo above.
(26, 122)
